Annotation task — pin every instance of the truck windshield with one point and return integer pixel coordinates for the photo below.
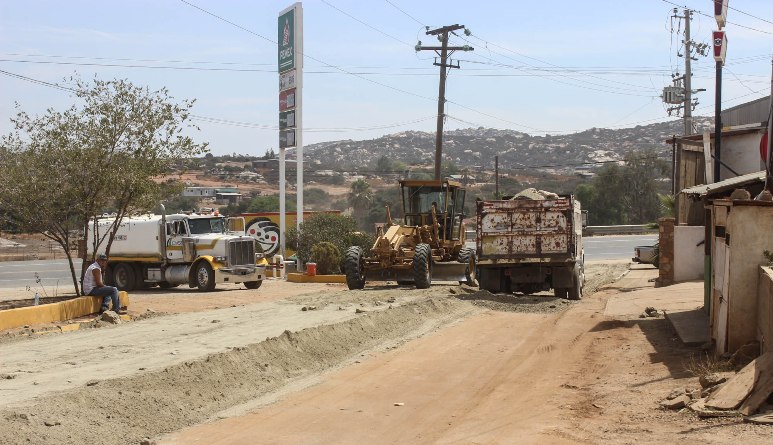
(208, 225)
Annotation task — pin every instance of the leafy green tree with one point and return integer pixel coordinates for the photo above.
(340, 230)
(269, 203)
(316, 197)
(360, 198)
(627, 193)
(62, 169)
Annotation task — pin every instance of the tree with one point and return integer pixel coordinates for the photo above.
(340, 230)
(66, 167)
(627, 193)
(270, 203)
(360, 196)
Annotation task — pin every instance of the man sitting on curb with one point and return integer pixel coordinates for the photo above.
(93, 285)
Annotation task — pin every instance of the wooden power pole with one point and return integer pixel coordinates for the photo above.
(443, 51)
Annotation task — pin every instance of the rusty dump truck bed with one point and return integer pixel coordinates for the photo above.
(526, 229)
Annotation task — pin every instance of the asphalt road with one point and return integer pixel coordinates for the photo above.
(615, 247)
(54, 275)
(51, 275)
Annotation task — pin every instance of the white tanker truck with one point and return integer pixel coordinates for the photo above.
(170, 250)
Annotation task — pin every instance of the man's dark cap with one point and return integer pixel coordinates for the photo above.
(101, 256)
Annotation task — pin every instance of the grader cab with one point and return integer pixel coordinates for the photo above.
(428, 245)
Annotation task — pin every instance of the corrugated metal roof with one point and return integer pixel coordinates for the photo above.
(725, 185)
(753, 112)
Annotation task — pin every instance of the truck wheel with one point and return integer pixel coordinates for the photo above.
(422, 266)
(205, 276)
(123, 276)
(575, 292)
(560, 292)
(253, 284)
(354, 268)
(467, 255)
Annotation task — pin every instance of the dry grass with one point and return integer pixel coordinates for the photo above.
(705, 364)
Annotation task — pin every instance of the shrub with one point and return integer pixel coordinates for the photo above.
(339, 230)
(327, 256)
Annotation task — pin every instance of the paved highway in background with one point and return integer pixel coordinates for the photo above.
(54, 275)
(615, 247)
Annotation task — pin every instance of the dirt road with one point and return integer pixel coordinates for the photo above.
(383, 365)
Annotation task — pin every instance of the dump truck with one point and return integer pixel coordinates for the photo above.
(428, 245)
(531, 243)
(199, 250)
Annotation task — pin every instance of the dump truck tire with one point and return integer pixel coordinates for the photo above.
(560, 293)
(205, 276)
(422, 266)
(467, 256)
(354, 268)
(575, 292)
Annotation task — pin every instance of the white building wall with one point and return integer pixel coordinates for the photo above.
(688, 255)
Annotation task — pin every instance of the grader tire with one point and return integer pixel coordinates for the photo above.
(422, 266)
(354, 268)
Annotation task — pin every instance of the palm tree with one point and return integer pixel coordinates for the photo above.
(359, 198)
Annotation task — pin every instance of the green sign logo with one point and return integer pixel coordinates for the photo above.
(286, 39)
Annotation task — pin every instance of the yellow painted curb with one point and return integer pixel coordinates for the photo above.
(303, 278)
(49, 313)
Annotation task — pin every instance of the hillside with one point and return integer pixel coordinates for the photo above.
(476, 148)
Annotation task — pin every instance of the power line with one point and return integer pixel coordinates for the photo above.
(366, 24)
(214, 120)
(311, 57)
(745, 13)
(405, 13)
(712, 16)
(36, 81)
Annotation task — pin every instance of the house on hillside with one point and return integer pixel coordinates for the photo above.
(222, 195)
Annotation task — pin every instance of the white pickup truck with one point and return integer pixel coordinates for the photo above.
(646, 254)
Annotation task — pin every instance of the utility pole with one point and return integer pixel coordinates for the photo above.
(680, 93)
(687, 75)
(769, 160)
(496, 177)
(443, 51)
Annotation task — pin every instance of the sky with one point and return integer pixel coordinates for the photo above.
(539, 67)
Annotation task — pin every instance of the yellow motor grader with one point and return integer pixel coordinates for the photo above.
(430, 244)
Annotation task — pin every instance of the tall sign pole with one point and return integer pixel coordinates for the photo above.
(720, 52)
(290, 67)
(443, 51)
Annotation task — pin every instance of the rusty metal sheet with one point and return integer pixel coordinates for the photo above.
(524, 228)
(557, 243)
(507, 245)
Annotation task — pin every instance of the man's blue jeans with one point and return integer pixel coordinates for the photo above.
(109, 293)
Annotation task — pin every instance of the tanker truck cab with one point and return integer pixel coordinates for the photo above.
(169, 250)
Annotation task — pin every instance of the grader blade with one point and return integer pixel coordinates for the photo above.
(449, 271)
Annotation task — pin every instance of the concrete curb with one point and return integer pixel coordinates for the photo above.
(303, 278)
(49, 313)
